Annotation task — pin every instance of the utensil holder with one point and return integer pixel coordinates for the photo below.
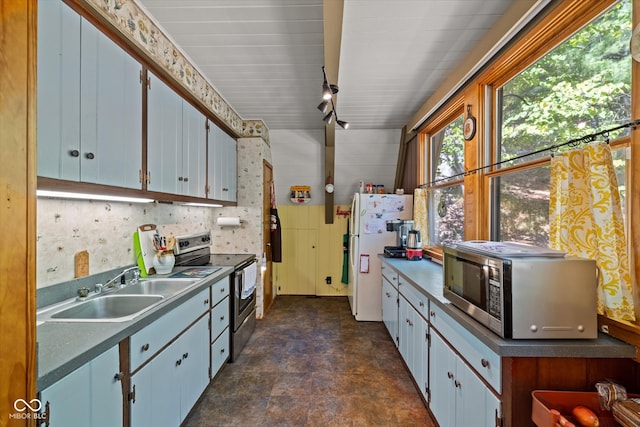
(163, 262)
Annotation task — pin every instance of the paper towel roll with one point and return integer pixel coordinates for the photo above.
(229, 221)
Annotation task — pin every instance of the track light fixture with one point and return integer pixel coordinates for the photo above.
(328, 90)
(323, 106)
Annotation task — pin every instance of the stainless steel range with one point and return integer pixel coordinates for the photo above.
(195, 250)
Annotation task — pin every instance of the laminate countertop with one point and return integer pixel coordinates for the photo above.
(426, 276)
(63, 347)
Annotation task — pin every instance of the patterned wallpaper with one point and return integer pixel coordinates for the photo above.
(139, 28)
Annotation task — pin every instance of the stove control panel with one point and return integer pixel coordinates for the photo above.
(192, 242)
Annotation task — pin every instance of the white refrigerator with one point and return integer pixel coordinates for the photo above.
(368, 236)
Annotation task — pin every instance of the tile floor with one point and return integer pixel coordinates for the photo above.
(309, 363)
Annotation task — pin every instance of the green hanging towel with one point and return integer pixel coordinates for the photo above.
(345, 257)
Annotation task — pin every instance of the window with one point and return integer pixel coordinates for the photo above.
(580, 87)
(446, 189)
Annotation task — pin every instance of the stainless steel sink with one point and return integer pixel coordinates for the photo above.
(107, 308)
(164, 287)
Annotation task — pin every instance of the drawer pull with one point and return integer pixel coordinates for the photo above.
(432, 313)
(145, 347)
(206, 301)
(221, 318)
(449, 375)
(421, 304)
(222, 351)
(223, 290)
(457, 384)
(485, 363)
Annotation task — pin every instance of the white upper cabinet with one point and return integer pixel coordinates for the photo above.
(176, 143)
(222, 165)
(164, 132)
(89, 102)
(194, 151)
(58, 124)
(90, 118)
(111, 112)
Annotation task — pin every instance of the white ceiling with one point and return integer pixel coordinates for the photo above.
(265, 56)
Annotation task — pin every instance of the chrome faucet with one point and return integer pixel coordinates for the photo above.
(122, 276)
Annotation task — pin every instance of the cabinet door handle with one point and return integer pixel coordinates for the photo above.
(185, 355)
(46, 415)
(221, 318)
(74, 153)
(223, 290)
(145, 347)
(186, 179)
(485, 363)
(179, 178)
(90, 156)
(421, 304)
(178, 362)
(449, 375)
(118, 376)
(432, 313)
(206, 301)
(457, 384)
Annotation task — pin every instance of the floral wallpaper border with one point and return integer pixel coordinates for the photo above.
(134, 23)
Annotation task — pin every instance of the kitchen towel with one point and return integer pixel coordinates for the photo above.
(249, 282)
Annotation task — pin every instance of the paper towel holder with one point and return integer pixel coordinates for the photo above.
(229, 221)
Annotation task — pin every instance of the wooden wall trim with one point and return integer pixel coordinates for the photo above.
(18, 54)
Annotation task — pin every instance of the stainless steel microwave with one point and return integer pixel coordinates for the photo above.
(524, 297)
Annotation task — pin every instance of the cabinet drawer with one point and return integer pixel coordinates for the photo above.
(219, 352)
(390, 274)
(418, 300)
(478, 355)
(219, 318)
(219, 290)
(148, 341)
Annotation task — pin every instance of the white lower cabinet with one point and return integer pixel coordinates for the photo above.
(170, 384)
(390, 308)
(89, 396)
(458, 397)
(413, 343)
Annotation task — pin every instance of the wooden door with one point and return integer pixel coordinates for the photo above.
(267, 176)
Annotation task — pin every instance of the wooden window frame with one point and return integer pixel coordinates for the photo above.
(545, 33)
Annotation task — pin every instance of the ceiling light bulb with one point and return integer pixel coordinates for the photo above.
(326, 92)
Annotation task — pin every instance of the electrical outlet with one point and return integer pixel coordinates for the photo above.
(328, 280)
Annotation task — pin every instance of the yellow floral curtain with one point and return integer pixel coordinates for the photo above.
(586, 220)
(420, 221)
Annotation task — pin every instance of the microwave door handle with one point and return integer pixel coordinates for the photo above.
(485, 283)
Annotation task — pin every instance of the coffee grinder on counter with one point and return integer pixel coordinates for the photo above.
(402, 227)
